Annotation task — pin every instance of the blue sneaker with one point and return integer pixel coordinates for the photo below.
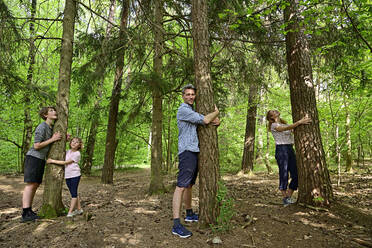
(181, 231)
(192, 218)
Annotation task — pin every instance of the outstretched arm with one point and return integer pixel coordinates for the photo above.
(59, 162)
(304, 121)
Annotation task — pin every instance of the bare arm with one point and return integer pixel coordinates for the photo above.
(59, 162)
(304, 121)
(211, 116)
(56, 136)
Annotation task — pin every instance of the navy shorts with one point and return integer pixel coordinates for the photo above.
(73, 184)
(188, 169)
(34, 169)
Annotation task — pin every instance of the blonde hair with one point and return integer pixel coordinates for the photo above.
(271, 120)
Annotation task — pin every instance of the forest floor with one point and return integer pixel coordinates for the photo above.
(124, 215)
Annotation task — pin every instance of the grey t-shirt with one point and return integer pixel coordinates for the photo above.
(187, 122)
(43, 132)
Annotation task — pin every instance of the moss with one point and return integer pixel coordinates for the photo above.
(48, 212)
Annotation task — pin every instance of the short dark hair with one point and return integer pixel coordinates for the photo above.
(44, 111)
(188, 86)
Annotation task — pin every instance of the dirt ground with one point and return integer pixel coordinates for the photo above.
(123, 215)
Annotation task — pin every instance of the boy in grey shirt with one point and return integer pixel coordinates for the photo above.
(35, 160)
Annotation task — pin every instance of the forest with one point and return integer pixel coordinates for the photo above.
(114, 70)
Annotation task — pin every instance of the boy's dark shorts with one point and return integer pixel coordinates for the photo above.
(188, 169)
(34, 169)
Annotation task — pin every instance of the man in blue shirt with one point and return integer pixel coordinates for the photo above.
(188, 149)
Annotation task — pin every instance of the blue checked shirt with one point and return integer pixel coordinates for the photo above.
(187, 122)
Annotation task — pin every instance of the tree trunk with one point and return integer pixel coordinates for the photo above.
(111, 142)
(169, 137)
(89, 148)
(348, 156)
(208, 157)
(100, 69)
(267, 161)
(250, 130)
(314, 183)
(52, 198)
(267, 138)
(338, 153)
(156, 183)
(27, 123)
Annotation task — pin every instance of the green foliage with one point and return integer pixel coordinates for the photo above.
(227, 212)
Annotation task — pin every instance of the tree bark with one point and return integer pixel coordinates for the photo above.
(111, 142)
(208, 157)
(314, 181)
(52, 197)
(27, 122)
(156, 183)
(169, 136)
(100, 69)
(348, 155)
(338, 156)
(250, 130)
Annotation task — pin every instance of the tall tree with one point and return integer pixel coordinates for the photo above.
(348, 153)
(111, 141)
(209, 167)
(156, 183)
(314, 183)
(250, 129)
(52, 198)
(27, 122)
(100, 69)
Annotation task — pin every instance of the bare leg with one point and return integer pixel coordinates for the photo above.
(73, 204)
(28, 194)
(284, 193)
(187, 197)
(78, 206)
(289, 192)
(177, 201)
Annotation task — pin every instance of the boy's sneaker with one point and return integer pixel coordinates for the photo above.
(35, 215)
(27, 217)
(78, 212)
(291, 200)
(181, 231)
(192, 218)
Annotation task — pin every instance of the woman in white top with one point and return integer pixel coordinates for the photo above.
(284, 153)
(72, 174)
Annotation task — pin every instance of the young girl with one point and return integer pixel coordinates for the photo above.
(284, 154)
(72, 174)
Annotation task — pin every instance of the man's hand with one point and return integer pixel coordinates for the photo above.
(216, 122)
